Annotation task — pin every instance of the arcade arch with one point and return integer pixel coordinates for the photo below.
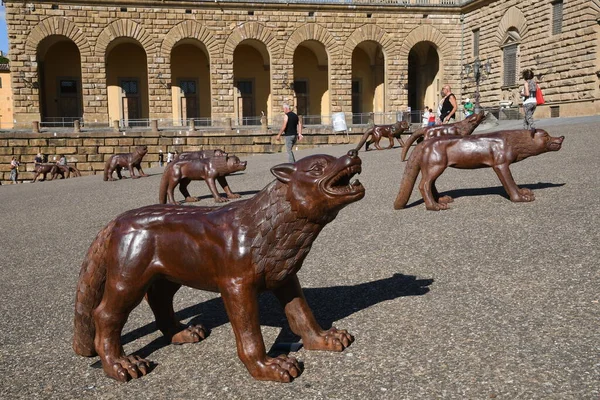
(311, 81)
(190, 82)
(127, 82)
(252, 82)
(424, 75)
(59, 80)
(368, 80)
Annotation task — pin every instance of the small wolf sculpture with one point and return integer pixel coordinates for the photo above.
(209, 169)
(125, 160)
(496, 150)
(461, 128)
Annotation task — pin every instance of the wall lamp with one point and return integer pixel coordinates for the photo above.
(28, 82)
(162, 81)
(401, 81)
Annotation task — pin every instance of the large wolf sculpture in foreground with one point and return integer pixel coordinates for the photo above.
(239, 250)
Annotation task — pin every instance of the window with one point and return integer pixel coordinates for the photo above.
(68, 87)
(557, 17)
(475, 43)
(510, 64)
(510, 57)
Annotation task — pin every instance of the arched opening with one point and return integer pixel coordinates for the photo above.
(311, 82)
(252, 81)
(127, 83)
(59, 73)
(368, 89)
(190, 83)
(423, 77)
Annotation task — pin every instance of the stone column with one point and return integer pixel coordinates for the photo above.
(159, 88)
(94, 90)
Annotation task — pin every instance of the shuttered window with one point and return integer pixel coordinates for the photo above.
(510, 64)
(557, 17)
(476, 43)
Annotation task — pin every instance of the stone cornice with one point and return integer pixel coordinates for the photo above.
(392, 6)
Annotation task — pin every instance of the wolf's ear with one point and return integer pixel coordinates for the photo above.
(283, 172)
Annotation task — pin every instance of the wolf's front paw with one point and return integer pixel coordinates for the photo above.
(332, 340)
(127, 367)
(279, 369)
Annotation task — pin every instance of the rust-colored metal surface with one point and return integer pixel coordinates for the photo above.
(380, 131)
(117, 162)
(494, 150)
(238, 250)
(44, 170)
(198, 155)
(461, 128)
(208, 169)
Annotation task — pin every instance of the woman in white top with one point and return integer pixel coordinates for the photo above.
(529, 102)
(425, 117)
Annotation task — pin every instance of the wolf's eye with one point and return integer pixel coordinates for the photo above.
(316, 169)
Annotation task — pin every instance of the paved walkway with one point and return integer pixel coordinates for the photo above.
(490, 299)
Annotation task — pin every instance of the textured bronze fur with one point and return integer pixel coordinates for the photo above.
(238, 250)
(198, 155)
(65, 171)
(461, 128)
(495, 150)
(379, 131)
(116, 162)
(208, 169)
(44, 169)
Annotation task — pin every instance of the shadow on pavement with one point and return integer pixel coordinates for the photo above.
(487, 191)
(329, 304)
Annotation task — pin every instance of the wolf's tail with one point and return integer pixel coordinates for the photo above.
(90, 289)
(164, 183)
(416, 134)
(409, 178)
(364, 139)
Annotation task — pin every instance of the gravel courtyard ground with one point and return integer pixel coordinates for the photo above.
(490, 299)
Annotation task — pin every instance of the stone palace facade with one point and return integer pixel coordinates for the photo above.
(101, 61)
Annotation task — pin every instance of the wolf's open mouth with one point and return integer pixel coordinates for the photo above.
(342, 183)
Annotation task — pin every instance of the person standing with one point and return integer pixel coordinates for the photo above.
(431, 117)
(468, 107)
(425, 117)
(38, 159)
(14, 169)
(291, 130)
(449, 105)
(529, 102)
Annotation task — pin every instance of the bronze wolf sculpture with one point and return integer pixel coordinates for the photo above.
(238, 250)
(494, 150)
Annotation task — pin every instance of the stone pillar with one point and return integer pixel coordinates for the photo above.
(192, 125)
(154, 125)
(76, 126)
(95, 93)
(228, 125)
(35, 126)
(116, 127)
(159, 84)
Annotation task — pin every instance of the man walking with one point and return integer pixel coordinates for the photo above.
(291, 130)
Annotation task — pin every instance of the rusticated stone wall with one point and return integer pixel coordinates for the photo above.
(88, 151)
